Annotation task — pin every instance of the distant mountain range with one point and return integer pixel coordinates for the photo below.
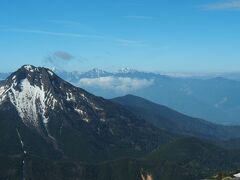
(50, 129)
(209, 96)
(214, 98)
(4, 76)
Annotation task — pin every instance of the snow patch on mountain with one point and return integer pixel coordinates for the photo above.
(86, 120)
(102, 119)
(29, 102)
(79, 111)
(126, 70)
(29, 68)
(2, 89)
(70, 96)
(50, 72)
(14, 77)
(50, 101)
(2, 94)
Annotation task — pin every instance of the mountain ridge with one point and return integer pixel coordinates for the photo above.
(219, 104)
(175, 122)
(58, 111)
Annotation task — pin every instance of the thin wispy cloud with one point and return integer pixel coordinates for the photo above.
(64, 34)
(120, 41)
(139, 17)
(70, 24)
(127, 42)
(223, 5)
(65, 22)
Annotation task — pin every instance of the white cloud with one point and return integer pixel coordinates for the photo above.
(35, 31)
(65, 22)
(127, 42)
(223, 5)
(119, 84)
(139, 17)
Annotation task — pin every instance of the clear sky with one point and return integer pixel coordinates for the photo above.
(152, 35)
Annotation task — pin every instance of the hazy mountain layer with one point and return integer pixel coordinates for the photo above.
(213, 99)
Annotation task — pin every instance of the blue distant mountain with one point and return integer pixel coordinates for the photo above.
(209, 97)
(216, 99)
(4, 75)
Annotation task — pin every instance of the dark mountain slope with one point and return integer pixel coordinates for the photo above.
(182, 159)
(191, 158)
(51, 115)
(170, 120)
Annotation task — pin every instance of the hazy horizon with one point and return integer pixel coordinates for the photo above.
(117, 69)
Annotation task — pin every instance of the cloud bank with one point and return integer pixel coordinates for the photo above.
(118, 84)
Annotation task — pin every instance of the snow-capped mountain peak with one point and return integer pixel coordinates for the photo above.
(46, 114)
(29, 89)
(126, 70)
(38, 94)
(29, 68)
(95, 73)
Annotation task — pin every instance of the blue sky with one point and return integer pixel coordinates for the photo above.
(151, 35)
